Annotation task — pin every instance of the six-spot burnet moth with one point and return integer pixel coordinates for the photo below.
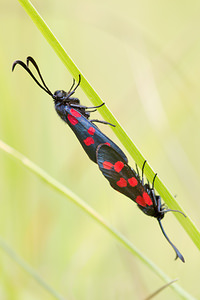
(126, 181)
(75, 115)
(111, 160)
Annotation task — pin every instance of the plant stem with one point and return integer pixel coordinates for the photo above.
(28, 269)
(92, 213)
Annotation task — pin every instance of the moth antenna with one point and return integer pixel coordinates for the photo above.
(29, 58)
(178, 254)
(23, 65)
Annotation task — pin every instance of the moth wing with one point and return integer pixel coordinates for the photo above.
(88, 134)
(120, 176)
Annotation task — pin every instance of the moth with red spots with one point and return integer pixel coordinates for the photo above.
(74, 114)
(87, 133)
(126, 181)
(110, 158)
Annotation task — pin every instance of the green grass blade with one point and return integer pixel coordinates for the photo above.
(186, 223)
(93, 214)
(14, 256)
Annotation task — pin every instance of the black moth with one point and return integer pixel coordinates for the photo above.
(74, 114)
(110, 158)
(126, 181)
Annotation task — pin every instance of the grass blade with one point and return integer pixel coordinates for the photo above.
(186, 223)
(93, 214)
(24, 265)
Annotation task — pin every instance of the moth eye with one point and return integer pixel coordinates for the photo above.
(60, 94)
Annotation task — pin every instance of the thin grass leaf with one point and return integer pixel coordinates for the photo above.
(160, 290)
(25, 266)
(93, 214)
(186, 223)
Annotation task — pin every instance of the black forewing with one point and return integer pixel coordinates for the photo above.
(81, 131)
(108, 154)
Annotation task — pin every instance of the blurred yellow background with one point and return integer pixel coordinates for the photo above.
(143, 58)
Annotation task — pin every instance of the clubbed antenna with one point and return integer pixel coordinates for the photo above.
(26, 67)
(178, 254)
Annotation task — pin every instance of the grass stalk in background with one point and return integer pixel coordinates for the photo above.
(92, 213)
(186, 223)
(29, 269)
(160, 290)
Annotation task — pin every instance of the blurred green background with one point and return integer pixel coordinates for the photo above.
(143, 58)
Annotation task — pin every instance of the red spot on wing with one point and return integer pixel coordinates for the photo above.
(132, 181)
(140, 200)
(91, 130)
(75, 113)
(89, 141)
(107, 165)
(107, 144)
(122, 182)
(72, 120)
(147, 199)
(118, 166)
